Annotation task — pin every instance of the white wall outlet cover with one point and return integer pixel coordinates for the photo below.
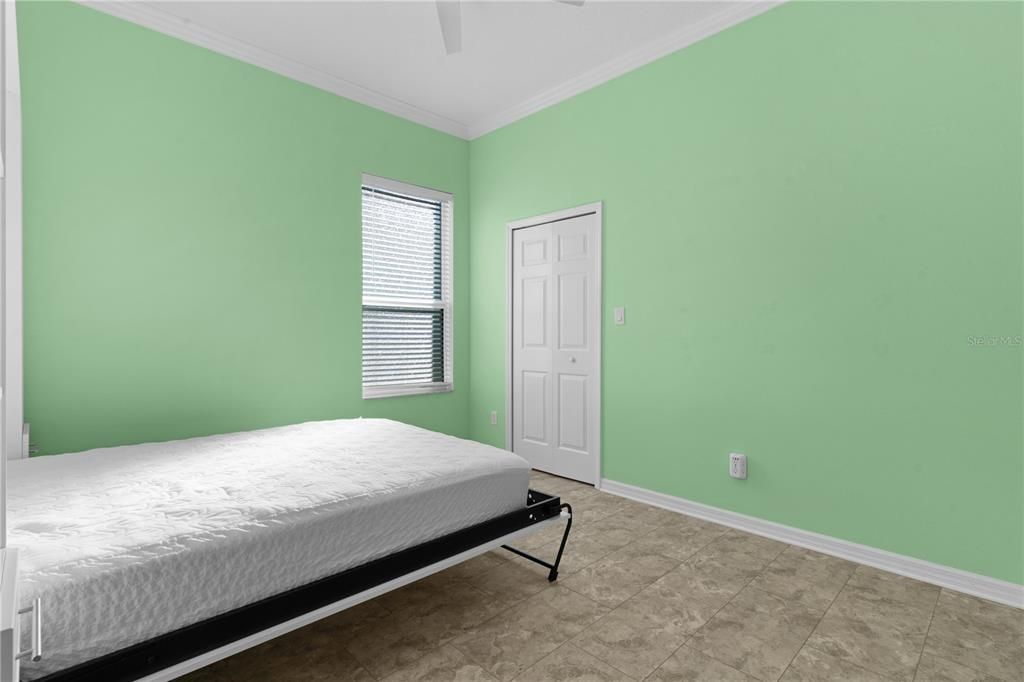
(738, 465)
(494, 418)
(620, 316)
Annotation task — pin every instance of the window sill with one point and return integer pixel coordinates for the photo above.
(373, 392)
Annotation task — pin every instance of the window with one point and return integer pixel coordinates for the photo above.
(407, 289)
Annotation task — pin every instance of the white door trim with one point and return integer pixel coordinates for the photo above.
(596, 208)
(14, 446)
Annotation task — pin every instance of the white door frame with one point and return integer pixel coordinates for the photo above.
(14, 446)
(596, 208)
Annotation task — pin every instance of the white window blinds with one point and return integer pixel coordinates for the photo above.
(406, 289)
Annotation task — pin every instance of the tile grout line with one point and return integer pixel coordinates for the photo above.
(617, 606)
(639, 537)
(616, 549)
(609, 514)
(928, 631)
(719, 610)
(816, 625)
(678, 563)
(517, 606)
(473, 659)
(652, 529)
(569, 642)
(689, 637)
(510, 607)
(530, 667)
(610, 665)
(488, 673)
(631, 548)
(612, 608)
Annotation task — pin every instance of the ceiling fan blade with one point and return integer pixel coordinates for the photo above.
(449, 13)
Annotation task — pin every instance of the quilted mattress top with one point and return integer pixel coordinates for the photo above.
(128, 542)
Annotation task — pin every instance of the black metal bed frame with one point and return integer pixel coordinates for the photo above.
(164, 651)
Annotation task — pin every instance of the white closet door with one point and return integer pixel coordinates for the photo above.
(555, 323)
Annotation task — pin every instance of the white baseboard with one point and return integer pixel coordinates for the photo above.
(982, 586)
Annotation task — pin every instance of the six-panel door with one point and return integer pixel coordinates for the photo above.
(555, 322)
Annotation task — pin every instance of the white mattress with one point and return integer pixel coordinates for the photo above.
(126, 543)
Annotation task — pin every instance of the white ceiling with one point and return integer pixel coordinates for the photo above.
(516, 58)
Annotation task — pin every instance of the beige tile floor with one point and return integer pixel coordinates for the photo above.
(647, 594)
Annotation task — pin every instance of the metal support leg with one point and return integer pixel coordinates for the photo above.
(553, 573)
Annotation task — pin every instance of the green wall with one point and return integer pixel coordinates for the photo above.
(814, 221)
(192, 239)
(808, 217)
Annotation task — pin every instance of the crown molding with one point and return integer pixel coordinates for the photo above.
(163, 22)
(142, 14)
(729, 15)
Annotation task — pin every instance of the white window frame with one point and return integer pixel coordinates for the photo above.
(446, 304)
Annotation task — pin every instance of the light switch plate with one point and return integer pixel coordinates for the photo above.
(620, 316)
